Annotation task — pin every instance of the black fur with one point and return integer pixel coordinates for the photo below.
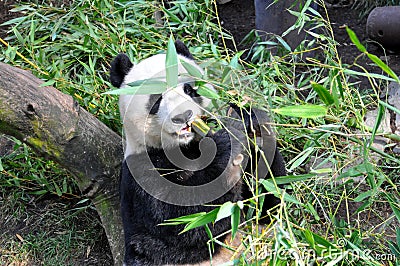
(147, 243)
(154, 103)
(249, 120)
(183, 50)
(189, 90)
(120, 66)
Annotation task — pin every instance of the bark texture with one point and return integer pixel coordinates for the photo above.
(55, 126)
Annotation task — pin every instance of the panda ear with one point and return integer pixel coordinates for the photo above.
(120, 67)
(183, 50)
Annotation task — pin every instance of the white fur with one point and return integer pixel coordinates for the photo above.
(158, 131)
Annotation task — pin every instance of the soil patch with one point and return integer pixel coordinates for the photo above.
(6, 15)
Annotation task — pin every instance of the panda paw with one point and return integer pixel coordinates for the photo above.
(231, 146)
(231, 158)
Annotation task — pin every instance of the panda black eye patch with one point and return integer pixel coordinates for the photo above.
(188, 89)
(154, 103)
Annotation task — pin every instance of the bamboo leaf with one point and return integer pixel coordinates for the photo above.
(369, 75)
(13, 21)
(284, 44)
(48, 83)
(57, 188)
(363, 196)
(225, 211)
(171, 64)
(192, 70)
(395, 207)
(270, 187)
(378, 121)
(208, 231)
(355, 40)
(308, 235)
(183, 219)
(39, 192)
(383, 66)
(354, 171)
(311, 209)
(303, 111)
(322, 241)
(281, 180)
(388, 106)
(363, 206)
(210, 93)
(172, 16)
(323, 93)
(201, 220)
(140, 87)
(300, 158)
(398, 236)
(234, 63)
(235, 220)
(394, 248)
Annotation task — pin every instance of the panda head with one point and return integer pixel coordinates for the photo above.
(157, 120)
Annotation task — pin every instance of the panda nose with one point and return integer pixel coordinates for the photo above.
(182, 118)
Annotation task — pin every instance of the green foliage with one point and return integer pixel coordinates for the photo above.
(71, 46)
(323, 93)
(192, 221)
(171, 64)
(303, 111)
(43, 220)
(146, 86)
(326, 216)
(20, 168)
(157, 86)
(374, 58)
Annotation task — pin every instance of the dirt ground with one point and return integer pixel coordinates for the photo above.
(5, 15)
(238, 18)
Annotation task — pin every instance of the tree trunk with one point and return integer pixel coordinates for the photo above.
(54, 125)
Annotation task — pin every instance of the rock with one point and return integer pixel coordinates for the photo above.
(396, 150)
(370, 118)
(379, 141)
(394, 100)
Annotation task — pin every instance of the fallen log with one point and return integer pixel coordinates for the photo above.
(56, 127)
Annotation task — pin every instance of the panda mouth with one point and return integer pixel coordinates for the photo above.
(184, 131)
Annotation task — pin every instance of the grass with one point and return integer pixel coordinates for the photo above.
(43, 220)
(344, 212)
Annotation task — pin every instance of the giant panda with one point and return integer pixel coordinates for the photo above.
(169, 171)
